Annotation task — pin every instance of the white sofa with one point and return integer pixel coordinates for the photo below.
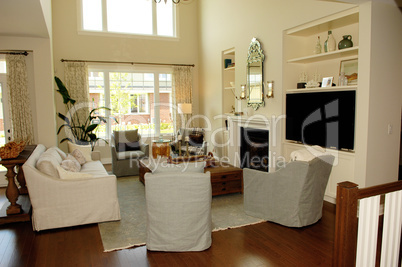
(88, 197)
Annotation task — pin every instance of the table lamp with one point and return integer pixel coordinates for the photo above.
(184, 108)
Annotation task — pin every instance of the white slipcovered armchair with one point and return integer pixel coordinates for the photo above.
(292, 196)
(178, 211)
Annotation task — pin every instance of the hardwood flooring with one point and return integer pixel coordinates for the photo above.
(264, 244)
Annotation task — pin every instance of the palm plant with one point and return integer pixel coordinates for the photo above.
(82, 132)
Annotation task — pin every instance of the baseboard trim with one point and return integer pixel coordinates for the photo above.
(330, 199)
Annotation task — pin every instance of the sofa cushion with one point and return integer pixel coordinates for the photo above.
(64, 174)
(95, 168)
(85, 149)
(130, 154)
(70, 164)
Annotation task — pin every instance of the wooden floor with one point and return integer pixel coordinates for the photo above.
(264, 244)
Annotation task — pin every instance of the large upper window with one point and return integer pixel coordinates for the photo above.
(143, 17)
(138, 100)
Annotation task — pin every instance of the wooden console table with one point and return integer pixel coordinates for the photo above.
(19, 206)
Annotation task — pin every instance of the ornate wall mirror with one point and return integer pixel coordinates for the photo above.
(255, 85)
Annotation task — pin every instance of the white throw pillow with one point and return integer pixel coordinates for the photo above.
(86, 150)
(71, 164)
(72, 175)
(77, 154)
(182, 167)
(48, 162)
(62, 154)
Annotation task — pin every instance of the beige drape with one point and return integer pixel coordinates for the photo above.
(76, 81)
(19, 100)
(183, 93)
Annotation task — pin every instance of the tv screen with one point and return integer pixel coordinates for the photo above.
(326, 119)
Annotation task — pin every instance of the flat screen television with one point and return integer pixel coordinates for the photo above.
(321, 118)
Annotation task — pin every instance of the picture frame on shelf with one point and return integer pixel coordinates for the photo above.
(327, 81)
(350, 68)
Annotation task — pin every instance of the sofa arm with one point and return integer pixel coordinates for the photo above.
(145, 148)
(96, 155)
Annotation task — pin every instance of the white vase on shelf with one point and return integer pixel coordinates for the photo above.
(330, 43)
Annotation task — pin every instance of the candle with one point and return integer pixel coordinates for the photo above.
(179, 137)
(187, 139)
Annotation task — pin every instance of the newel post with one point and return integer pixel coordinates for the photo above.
(346, 225)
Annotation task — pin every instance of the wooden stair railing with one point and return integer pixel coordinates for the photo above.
(351, 249)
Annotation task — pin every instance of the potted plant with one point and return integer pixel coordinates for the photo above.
(82, 132)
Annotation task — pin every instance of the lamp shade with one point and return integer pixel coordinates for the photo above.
(184, 108)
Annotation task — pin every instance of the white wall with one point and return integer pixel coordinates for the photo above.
(385, 94)
(69, 44)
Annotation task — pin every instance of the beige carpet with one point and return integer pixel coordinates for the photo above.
(130, 231)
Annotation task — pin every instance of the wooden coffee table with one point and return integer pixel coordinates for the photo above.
(225, 178)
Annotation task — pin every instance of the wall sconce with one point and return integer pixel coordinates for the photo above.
(242, 93)
(270, 89)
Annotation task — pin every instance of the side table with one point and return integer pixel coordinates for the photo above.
(19, 206)
(160, 148)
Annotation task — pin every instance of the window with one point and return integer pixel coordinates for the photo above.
(138, 100)
(143, 17)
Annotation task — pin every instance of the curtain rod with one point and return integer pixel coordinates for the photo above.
(126, 62)
(25, 53)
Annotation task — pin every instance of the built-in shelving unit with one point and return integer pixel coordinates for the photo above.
(299, 57)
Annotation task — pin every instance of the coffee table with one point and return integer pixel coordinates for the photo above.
(225, 178)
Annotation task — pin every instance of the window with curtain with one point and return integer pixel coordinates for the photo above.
(140, 99)
(142, 17)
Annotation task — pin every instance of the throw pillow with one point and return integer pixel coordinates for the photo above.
(126, 136)
(121, 147)
(71, 164)
(79, 156)
(85, 149)
(62, 154)
(63, 174)
(48, 162)
(196, 139)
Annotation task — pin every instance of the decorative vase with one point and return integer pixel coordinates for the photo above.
(330, 44)
(345, 42)
(318, 46)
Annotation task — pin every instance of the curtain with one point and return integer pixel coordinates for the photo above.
(183, 93)
(76, 81)
(19, 100)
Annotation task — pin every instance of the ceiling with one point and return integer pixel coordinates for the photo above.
(25, 18)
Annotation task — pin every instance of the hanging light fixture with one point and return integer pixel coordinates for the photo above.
(174, 1)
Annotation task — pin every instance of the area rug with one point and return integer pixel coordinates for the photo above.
(130, 231)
